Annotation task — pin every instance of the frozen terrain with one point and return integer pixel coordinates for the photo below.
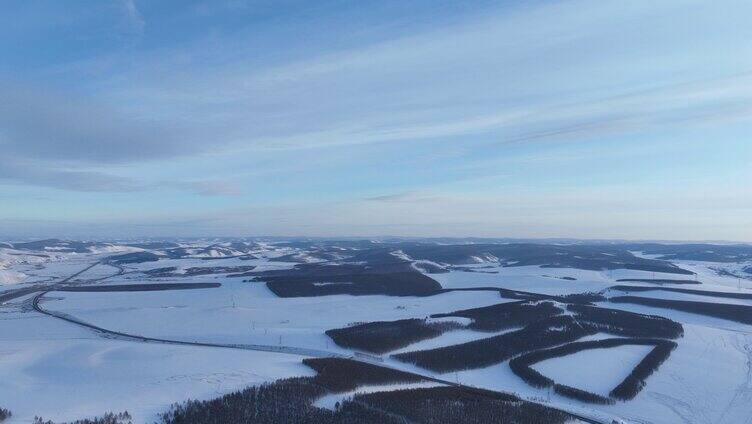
(62, 370)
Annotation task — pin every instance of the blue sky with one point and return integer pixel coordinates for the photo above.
(587, 119)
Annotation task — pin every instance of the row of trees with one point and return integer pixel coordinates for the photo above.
(659, 281)
(635, 381)
(727, 295)
(452, 405)
(581, 395)
(108, 418)
(290, 401)
(544, 326)
(492, 350)
(630, 324)
(627, 389)
(737, 313)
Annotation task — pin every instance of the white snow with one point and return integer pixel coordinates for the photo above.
(11, 277)
(447, 339)
(595, 370)
(258, 316)
(62, 372)
(527, 278)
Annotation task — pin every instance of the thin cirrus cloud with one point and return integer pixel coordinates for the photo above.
(273, 108)
(473, 79)
(285, 109)
(43, 124)
(693, 103)
(38, 174)
(51, 140)
(133, 15)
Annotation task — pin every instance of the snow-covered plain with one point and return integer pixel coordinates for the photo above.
(600, 370)
(60, 371)
(241, 312)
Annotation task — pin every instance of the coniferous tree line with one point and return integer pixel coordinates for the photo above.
(4, 414)
(139, 287)
(627, 389)
(172, 272)
(581, 395)
(342, 375)
(635, 381)
(582, 298)
(580, 256)
(369, 272)
(132, 258)
(736, 313)
(290, 401)
(285, 401)
(492, 350)
(623, 323)
(450, 405)
(507, 315)
(108, 418)
(521, 365)
(390, 284)
(586, 298)
(728, 295)
(659, 281)
(546, 329)
(385, 336)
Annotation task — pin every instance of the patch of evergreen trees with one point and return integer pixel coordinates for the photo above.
(343, 375)
(451, 405)
(290, 401)
(390, 284)
(385, 336)
(108, 418)
(629, 324)
(505, 315)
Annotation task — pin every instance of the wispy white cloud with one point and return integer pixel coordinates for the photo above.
(406, 197)
(135, 19)
(38, 174)
(523, 76)
(694, 103)
(211, 113)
